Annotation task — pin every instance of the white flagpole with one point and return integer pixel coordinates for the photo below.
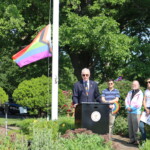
(55, 60)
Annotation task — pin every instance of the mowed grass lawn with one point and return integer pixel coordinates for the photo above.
(10, 122)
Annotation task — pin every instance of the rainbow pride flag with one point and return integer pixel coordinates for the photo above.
(40, 48)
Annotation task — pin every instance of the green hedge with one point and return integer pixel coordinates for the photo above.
(3, 96)
(35, 95)
(120, 126)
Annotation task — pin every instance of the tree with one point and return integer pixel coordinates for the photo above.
(93, 40)
(135, 22)
(111, 37)
(35, 95)
(3, 96)
(18, 29)
(11, 75)
(66, 72)
(138, 66)
(111, 51)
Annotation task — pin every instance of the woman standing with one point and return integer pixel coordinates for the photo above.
(146, 103)
(133, 104)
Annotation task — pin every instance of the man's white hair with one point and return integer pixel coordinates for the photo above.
(136, 81)
(85, 69)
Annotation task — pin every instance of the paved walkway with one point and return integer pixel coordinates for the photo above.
(122, 143)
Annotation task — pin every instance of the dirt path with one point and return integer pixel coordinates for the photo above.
(3, 130)
(122, 143)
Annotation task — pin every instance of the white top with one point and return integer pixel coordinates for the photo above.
(147, 94)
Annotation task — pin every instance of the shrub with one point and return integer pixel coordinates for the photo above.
(68, 106)
(34, 94)
(147, 127)
(13, 142)
(61, 125)
(42, 139)
(145, 146)
(3, 96)
(43, 124)
(121, 126)
(28, 125)
(124, 87)
(25, 125)
(85, 142)
(65, 123)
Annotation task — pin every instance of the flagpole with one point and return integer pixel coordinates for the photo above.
(55, 60)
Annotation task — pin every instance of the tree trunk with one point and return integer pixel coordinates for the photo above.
(81, 60)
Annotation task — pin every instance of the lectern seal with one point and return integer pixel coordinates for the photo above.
(95, 116)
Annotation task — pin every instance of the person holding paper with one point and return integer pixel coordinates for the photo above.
(146, 103)
(133, 104)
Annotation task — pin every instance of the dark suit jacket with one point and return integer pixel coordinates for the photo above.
(79, 93)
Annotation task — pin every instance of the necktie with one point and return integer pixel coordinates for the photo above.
(86, 88)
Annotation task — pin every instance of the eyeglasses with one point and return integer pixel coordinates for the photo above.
(148, 82)
(110, 83)
(85, 75)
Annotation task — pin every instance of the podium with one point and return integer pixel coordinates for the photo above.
(92, 116)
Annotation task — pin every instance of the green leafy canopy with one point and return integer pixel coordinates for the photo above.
(3, 96)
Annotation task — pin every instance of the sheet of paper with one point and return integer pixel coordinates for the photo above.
(148, 120)
(145, 118)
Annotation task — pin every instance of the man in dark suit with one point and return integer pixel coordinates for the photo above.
(85, 90)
